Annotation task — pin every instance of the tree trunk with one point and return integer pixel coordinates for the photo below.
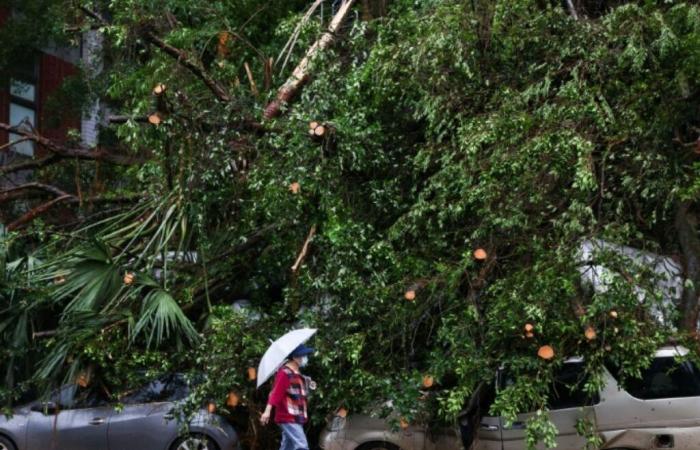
(690, 247)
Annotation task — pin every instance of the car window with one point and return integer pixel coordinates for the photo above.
(567, 389)
(170, 388)
(665, 378)
(75, 397)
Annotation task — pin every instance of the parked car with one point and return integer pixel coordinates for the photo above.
(659, 410)
(75, 418)
(364, 432)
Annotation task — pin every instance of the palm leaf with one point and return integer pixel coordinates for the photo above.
(160, 317)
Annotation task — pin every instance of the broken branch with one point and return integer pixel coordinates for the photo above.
(196, 69)
(33, 213)
(572, 9)
(61, 151)
(300, 76)
(304, 249)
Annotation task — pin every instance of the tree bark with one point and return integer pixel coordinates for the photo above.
(195, 68)
(572, 9)
(301, 73)
(690, 247)
(62, 151)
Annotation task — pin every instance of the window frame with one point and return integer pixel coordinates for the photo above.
(27, 75)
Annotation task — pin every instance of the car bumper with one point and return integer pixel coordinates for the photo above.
(331, 440)
(681, 438)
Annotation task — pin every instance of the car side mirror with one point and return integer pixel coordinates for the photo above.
(48, 408)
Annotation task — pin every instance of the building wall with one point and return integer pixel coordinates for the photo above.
(4, 95)
(52, 72)
(54, 65)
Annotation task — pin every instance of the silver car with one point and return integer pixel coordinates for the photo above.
(659, 410)
(78, 419)
(364, 432)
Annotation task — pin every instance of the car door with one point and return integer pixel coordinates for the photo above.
(74, 419)
(568, 405)
(146, 421)
(664, 402)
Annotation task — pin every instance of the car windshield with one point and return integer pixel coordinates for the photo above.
(667, 377)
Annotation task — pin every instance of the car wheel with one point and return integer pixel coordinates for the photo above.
(377, 446)
(194, 442)
(6, 444)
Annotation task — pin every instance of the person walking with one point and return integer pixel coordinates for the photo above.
(289, 399)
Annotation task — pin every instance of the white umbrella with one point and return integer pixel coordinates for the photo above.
(279, 350)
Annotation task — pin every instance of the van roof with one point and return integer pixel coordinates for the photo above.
(671, 351)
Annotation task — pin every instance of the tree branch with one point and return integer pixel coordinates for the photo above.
(304, 249)
(29, 164)
(95, 15)
(572, 9)
(196, 69)
(300, 76)
(18, 191)
(61, 151)
(119, 119)
(33, 213)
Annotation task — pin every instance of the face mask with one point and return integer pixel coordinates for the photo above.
(303, 361)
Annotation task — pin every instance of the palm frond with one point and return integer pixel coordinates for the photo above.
(160, 317)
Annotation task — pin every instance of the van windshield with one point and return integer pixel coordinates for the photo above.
(665, 378)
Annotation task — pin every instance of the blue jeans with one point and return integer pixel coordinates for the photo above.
(293, 437)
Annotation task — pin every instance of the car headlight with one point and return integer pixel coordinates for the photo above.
(336, 424)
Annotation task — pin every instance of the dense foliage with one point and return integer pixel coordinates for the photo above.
(501, 125)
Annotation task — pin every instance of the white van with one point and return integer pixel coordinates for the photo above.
(660, 410)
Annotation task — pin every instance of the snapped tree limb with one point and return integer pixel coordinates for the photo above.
(184, 60)
(22, 190)
(572, 9)
(59, 151)
(304, 249)
(301, 73)
(30, 164)
(60, 196)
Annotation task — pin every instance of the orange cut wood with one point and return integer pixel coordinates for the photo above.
(155, 119)
(232, 399)
(320, 130)
(529, 327)
(529, 334)
(404, 424)
(590, 333)
(252, 373)
(342, 412)
(211, 407)
(83, 380)
(222, 48)
(295, 187)
(129, 278)
(480, 254)
(159, 89)
(428, 381)
(613, 314)
(546, 352)
(59, 280)
(313, 125)
(410, 295)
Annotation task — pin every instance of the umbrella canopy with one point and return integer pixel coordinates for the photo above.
(278, 352)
